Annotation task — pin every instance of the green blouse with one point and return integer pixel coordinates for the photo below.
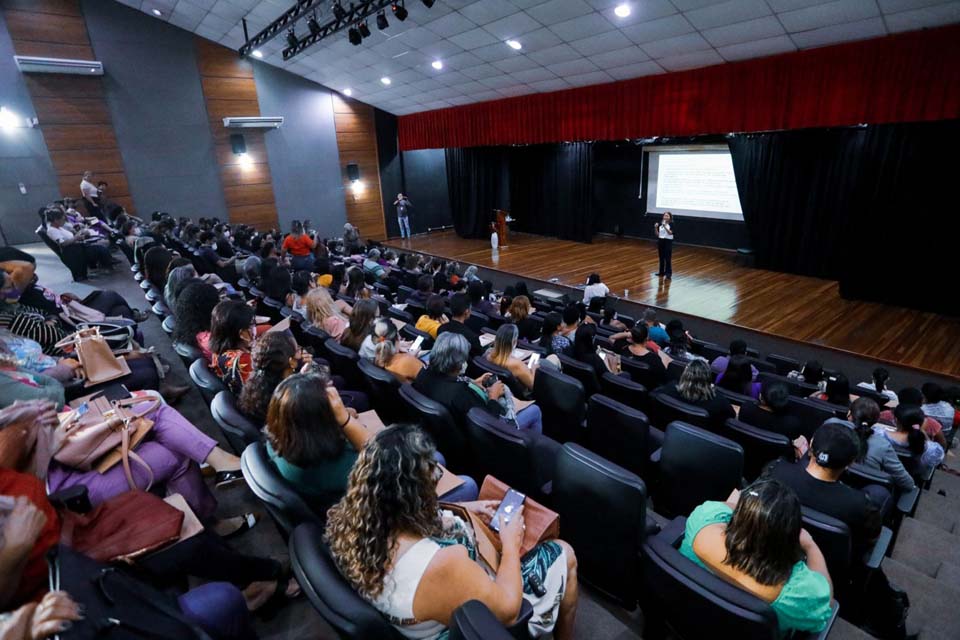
(804, 601)
(322, 479)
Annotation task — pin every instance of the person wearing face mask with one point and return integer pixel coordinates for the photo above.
(232, 335)
(208, 252)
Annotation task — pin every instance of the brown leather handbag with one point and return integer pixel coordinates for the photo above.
(98, 434)
(96, 356)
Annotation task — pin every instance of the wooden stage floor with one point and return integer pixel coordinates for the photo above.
(709, 283)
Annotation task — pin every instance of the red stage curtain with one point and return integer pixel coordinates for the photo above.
(908, 77)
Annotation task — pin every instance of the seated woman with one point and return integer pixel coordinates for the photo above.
(754, 540)
(355, 286)
(192, 312)
(936, 406)
(385, 344)
(595, 289)
(412, 561)
(519, 314)
(636, 344)
(876, 450)
(424, 290)
(443, 381)
(738, 377)
(879, 384)
(276, 357)
(610, 320)
(434, 317)
(478, 297)
(585, 352)
(325, 313)
(913, 397)
(551, 335)
(696, 387)
(771, 412)
(501, 354)
(837, 391)
(179, 270)
(679, 345)
(275, 284)
(907, 437)
(232, 332)
(301, 284)
(361, 324)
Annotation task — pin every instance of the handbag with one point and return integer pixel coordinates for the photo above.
(95, 356)
(99, 433)
(76, 312)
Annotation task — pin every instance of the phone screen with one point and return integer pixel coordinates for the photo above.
(416, 343)
(534, 359)
(508, 506)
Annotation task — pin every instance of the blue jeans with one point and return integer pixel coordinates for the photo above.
(301, 263)
(466, 492)
(404, 226)
(530, 418)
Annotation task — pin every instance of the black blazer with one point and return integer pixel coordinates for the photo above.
(453, 394)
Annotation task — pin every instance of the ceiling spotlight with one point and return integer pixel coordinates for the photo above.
(513, 44)
(437, 64)
(348, 92)
(622, 10)
(256, 53)
(8, 119)
(427, 3)
(292, 38)
(385, 80)
(157, 12)
(314, 24)
(364, 29)
(382, 21)
(338, 11)
(400, 11)
(354, 36)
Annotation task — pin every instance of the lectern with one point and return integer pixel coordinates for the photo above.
(500, 224)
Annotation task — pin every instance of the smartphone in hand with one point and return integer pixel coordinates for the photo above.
(416, 343)
(534, 359)
(508, 506)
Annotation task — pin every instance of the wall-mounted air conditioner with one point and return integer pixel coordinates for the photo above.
(253, 122)
(34, 64)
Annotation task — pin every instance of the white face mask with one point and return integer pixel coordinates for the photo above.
(214, 246)
(463, 369)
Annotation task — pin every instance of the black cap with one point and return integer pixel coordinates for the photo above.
(834, 446)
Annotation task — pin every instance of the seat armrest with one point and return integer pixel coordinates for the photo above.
(519, 628)
(673, 532)
(655, 456)
(907, 501)
(75, 499)
(825, 633)
(874, 556)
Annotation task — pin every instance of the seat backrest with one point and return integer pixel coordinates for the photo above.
(695, 466)
(474, 621)
(623, 389)
(619, 433)
(401, 315)
(796, 388)
(562, 401)
(585, 485)
(343, 361)
(738, 399)
(708, 350)
(664, 409)
(859, 476)
(760, 447)
(675, 370)
(784, 364)
(238, 428)
(440, 425)
(403, 291)
(582, 372)
(285, 505)
(638, 371)
(836, 543)
(207, 381)
(501, 451)
(482, 366)
(385, 391)
(330, 594)
(169, 324)
(410, 332)
(477, 321)
(811, 413)
(694, 602)
(315, 337)
(415, 309)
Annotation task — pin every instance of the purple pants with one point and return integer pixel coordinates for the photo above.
(219, 609)
(174, 449)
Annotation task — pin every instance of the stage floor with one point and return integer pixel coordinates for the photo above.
(710, 283)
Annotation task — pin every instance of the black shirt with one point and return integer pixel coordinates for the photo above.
(455, 326)
(718, 407)
(658, 372)
(454, 394)
(752, 414)
(528, 329)
(850, 506)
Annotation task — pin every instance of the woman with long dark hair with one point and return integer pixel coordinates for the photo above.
(193, 309)
(412, 561)
(876, 450)
(738, 377)
(755, 540)
(232, 333)
(696, 387)
(364, 313)
(837, 391)
(275, 357)
(908, 437)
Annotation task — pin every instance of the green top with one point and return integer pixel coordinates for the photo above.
(323, 479)
(804, 601)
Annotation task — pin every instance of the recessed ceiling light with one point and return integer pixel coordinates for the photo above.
(385, 80)
(256, 53)
(437, 64)
(622, 10)
(157, 12)
(513, 44)
(348, 92)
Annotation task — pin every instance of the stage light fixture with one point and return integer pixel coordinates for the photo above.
(338, 12)
(622, 10)
(157, 12)
(437, 64)
(382, 21)
(354, 36)
(348, 92)
(364, 29)
(427, 3)
(385, 80)
(400, 11)
(313, 24)
(292, 39)
(513, 44)
(256, 53)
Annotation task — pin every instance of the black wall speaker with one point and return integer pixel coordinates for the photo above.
(353, 171)
(237, 143)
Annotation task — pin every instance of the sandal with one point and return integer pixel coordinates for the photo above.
(224, 479)
(278, 599)
(249, 521)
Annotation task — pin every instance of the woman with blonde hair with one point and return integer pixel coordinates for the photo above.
(325, 313)
(385, 344)
(412, 561)
(501, 354)
(519, 314)
(696, 387)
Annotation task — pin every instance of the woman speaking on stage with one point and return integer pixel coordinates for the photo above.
(664, 231)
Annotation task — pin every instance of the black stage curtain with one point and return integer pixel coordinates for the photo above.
(868, 206)
(551, 190)
(476, 185)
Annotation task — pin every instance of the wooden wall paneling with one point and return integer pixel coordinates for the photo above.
(72, 110)
(357, 143)
(230, 90)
